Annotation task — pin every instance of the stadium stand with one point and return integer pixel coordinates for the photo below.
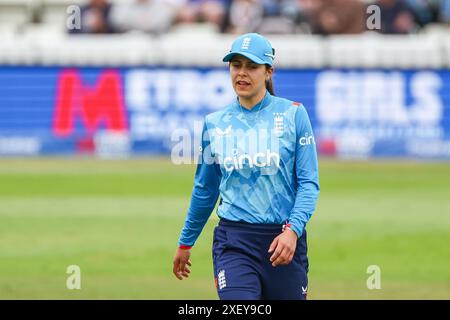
(34, 32)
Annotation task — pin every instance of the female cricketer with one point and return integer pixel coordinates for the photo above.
(259, 155)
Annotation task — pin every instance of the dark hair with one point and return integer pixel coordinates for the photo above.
(269, 83)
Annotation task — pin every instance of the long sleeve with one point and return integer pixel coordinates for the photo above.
(306, 173)
(204, 194)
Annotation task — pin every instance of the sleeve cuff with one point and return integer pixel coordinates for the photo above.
(184, 247)
(296, 229)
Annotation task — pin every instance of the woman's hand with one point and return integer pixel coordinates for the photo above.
(283, 248)
(181, 262)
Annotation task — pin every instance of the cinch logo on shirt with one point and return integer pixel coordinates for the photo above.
(306, 140)
(260, 160)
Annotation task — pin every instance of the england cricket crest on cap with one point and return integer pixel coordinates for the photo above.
(278, 124)
(246, 43)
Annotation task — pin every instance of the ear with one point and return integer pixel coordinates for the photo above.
(269, 73)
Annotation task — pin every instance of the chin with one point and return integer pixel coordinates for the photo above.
(244, 94)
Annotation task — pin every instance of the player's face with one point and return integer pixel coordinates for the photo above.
(248, 78)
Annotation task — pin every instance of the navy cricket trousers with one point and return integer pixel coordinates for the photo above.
(242, 268)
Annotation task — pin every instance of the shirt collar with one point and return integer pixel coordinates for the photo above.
(260, 105)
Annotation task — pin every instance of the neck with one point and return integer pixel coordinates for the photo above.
(249, 103)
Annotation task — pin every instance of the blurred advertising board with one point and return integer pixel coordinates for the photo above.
(121, 112)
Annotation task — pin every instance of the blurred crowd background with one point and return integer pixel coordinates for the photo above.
(323, 17)
(263, 16)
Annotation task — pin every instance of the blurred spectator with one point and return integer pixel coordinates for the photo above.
(278, 17)
(278, 7)
(307, 10)
(210, 11)
(444, 11)
(333, 16)
(426, 11)
(95, 18)
(264, 16)
(397, 17)
(151, 16)
(245, 16)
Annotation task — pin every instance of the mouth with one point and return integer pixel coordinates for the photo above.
(243, 83)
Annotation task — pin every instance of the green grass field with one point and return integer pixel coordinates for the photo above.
(120, 220)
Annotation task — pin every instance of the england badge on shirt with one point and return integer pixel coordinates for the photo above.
(278, 124)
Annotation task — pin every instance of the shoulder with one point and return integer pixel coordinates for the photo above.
(287, 106)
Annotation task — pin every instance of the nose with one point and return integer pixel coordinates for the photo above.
(242, 71)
